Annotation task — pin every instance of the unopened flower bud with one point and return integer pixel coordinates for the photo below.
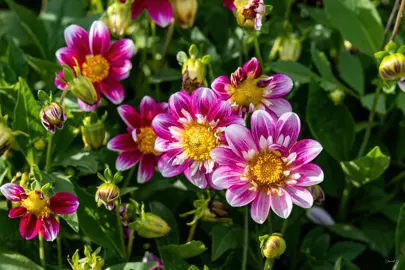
(317, 194)
(184, 12)
(107, 194)
(290, 49)
(193, 75)
(392, 67)
(93, 133)
(150, 225)
(118, 18)
(249, 13)
(274, 246)
(82, 88)
(219, 209)
(40, 144)
(319, 216)
(6, 138)
(337, 96)
(53, 115)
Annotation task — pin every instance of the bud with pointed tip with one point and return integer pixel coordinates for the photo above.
(392, 67)
(274, 246)
(118, 18)
(150, 225)
(184, 12)
(53, 115)
(107, 194)
(93, 132)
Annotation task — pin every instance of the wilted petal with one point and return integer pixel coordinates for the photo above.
(240, 195)
(29, 226)
(17, 212)
(300, 196)
(224, 177)
(12, 192)
(160, 11)
(239, 139)
(122, 142)
(99, 38)
(260, 208)
(253, 68)
(306, 151)
(49, 228)
(310, 174)
(63, 203)
(281, 205)
(287, 129)
(129, 115)
(146, 168)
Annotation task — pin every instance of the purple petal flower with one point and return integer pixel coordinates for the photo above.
(12, 192)
(49, 228)
(29, 226)
(159, 10)
(260, 208)
(63, 203)
(17, 212)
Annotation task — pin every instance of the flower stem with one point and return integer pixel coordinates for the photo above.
(119, 223)
(42, 251)
(48, 153)
(269, 264)
(168, 38)
(245, 239)
(398, 20)
(64, 93)
(59, 247)
(130, 243)
(192, 231)
(257, 48)
(129, 177)
(284, 227)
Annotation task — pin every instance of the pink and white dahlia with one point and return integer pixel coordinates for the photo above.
(267, 166)
(103, 62)
(138, 144)
(36, 210)
(188, 133)
(160, 11)
(248, 90)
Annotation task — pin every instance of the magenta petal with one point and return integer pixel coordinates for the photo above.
(203, 100)
(77, 37)
(166, 167)
(281, 205)
(300, 196)
(306, 151)
(263, 125)
(224, 177)
(221, 87)
(260, 208)
(49, 228)
(126, 160)
(63, 203)
(240, 195)
(99, 38)
(148, 109)
(86, 107)
(179, 102)
(17, 212)
(137, 8)
(129, 115)
(161, 124)
(146, 168)
(12, 192)
(222, 109)
(287, 130)
(121, 71)
(29, 226)
(113, 90)
(279, 85)
(229, 4)
(61, 85)
(239, 139)
(161, 145)
(225, 156)
(65, 56)
(120, 51)
(199, 179)
(230, 120)
(160, 11)
(310, 174)
(253, 68)
(279, 106)
(122, 142)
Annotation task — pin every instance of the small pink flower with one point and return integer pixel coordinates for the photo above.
(159, 10)
(138, 144)
(36, 210)
(229, 4)
(103, 62)
(249, 90)
(267, 166)
(189, 132)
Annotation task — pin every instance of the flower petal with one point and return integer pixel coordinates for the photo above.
(77, 37)
(17, 212)
(240, 195)
(160, 11)
(29, 226)
(66, 56)
(49, 228)
(148, 109)
(281, 205)
(310, 174)
(99, 38)
(226, 176)
(137, 8)
(306, 151)
(120, 51)
(146, 168)
(253, 68)
(203, 100)
(122, 142)
(63, 203)
(229, 4)
(178, 102)
(161, 124)
(287, 130)
(198, 179)
(279, 106)
(12, 192)
(300, 196)
(88, 108)
(260, 208)
(126, 160)
(166, 167)
(61, 85)
(239, 139)
(129, 115)
(221, 87)
(161, 145)
(113, 90)
(225, 156)
(278, 85)
(319, 216)
(263, 125)
(121, 71)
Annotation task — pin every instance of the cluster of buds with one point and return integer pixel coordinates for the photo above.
(108, 193)
(288, 48)
(6, 135)
(272, 246)
(193, 69)
(118, 17)
(93, 131)
(184, 12)
(90, 261)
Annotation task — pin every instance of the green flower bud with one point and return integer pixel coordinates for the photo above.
(290, 49)
(90, 261)
(150, 225)
(6, 138)
(107, 194)
(193, 75)
(184, 12)
(82, 88)
(392, 67)
(53, 115)
(118, 18)
(337, 96)
(93, 133)
(274, 246)
(40, 144)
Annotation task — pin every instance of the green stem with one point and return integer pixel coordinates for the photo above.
(269, 224)
(245, 239)
(396, 179)
(42, 251)
(129, 177)
(192, 231)
(269, 264)
(48, 153)
(130, 243)
(168, 38)
(119, 223)
(64, 93)
(284, 227)
(59, 247)
(344, 202)
(257, 48)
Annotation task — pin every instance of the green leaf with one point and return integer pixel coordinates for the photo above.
(188, 250)
(132, 266)
(85, 162)
(349, 232)
(366, 169)
(99, 224)
(13, 261)
(400, 233)
(297, 71)
(347, 250)
(46, 69)
(381, 234)
(317, 14)
(344, 264)
(332, 125)
(401, 101)
(16, 60)
(351, 71)
(316, 243)
(358, 22)
(322, 65)
(368, 101)
(224, 238)
(166, 75)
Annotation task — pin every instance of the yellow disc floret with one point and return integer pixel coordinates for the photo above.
(146, 141)
(37, 203)
(266, 169)
(95, 68)
(246, 93)
(198, 141)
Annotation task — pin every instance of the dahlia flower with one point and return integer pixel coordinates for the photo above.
(36, 210)
(137, 145)
(249, 13)
(267, 166)
(103, 62)
(248, 90)
(189, 132)
(160, 11)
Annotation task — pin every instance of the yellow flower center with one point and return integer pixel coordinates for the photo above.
(250, 13)
(37, 203)
(95, 68)
(247, 92)
(146, 141)
(198, 141)
(266, 169)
